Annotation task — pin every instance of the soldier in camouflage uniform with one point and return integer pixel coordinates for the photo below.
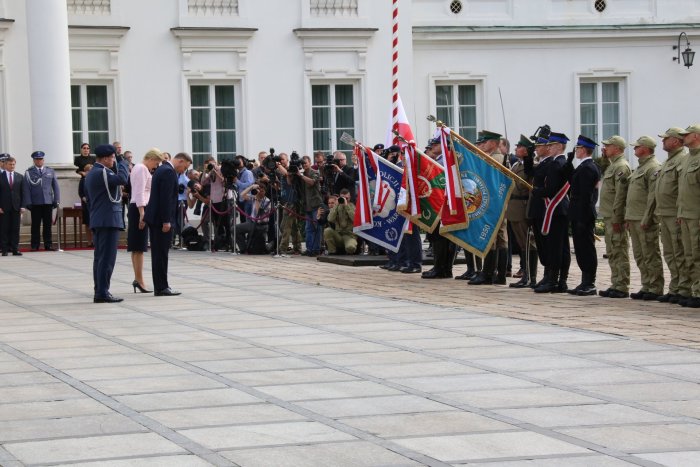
(689, 212)
(641, 222)
(613, 198)
(667, 212)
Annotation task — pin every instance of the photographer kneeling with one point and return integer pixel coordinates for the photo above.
(251, 235)
(341, 216)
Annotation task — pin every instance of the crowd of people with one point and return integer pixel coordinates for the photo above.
(277, 202)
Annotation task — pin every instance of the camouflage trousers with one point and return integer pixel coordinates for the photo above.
(647, 255)
(290, 228)
(690, 230)
(671, 239)
(617, 249)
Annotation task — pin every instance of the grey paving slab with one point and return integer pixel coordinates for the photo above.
(666, 356)
(335, 408)
(365, 358)
(158, 461)
(92, 448)
(253, 364)
(334, 390)
(687, 371)
(680, 459)
(90, 361)
(417, 424)
(157, 384)
(93, 351)
(529, 397)
(231, 415)
(647, 392)
(579, 415)
(453, 383)
(602, 375)
(265, 435)
(306, 375)
(690, 408)
(128, 371)
(496, 350)
(187, 399)
(541, 362)
(639, 439)
(489, 446)
(51, 409)
(570, 461)
(357, 453)
(67, 427)
(404, 370)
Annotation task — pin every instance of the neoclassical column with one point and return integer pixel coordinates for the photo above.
(49, 80)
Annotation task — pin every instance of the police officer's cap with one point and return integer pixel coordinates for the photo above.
(105, 150)
(525, 142)
(378, 147)
(433, 141)
(558, 138)
(541, 141)
(38, 155)
(585, 142)
(393, 148)
(4, 156)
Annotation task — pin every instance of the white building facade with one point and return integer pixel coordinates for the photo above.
(239, 76)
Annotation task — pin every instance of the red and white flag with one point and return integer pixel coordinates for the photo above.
(453, 185)
(363, 211)
(401, 126)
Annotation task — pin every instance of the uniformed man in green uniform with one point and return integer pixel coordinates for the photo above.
(516, 214)
(641, 222)
(497, 258)
(613, 198)
(666, 198)
(689, 212)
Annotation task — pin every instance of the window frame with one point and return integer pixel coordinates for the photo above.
(335, 144)
(212, 110)
(85, 129)
(456, 105)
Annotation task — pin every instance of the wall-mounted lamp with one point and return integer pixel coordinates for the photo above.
(688, 54)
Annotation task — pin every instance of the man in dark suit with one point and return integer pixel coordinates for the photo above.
(103, 188)
(160, 218)
(582, 213)
(343, 175)
(549, 206)
(11, 207)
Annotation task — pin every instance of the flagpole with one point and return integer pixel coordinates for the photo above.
(486, 158)
(395, 65)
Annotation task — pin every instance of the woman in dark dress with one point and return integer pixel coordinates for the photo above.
(137, 233)
(84, 202)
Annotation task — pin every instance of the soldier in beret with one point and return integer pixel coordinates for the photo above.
(641, 222)
(613, 199)
(41, 195)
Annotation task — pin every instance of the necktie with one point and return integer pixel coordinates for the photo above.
(10, 179)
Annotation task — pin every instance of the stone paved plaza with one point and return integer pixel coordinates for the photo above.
(290, 362)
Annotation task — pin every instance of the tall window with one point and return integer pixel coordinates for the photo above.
(90, 106)
(601, 108)
(213, 113)
(333, 112)
(456, 106)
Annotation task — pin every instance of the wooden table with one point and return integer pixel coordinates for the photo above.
(77, 215)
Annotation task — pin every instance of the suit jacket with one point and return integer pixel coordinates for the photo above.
(11, 199)
(548, 179)
(584, 191)
(344, 179)
(104, 212)
(40, 188)
(162, 205)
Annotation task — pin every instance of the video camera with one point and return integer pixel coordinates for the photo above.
(295, 163)
(271, 161)
(229, 170)
(542, 132)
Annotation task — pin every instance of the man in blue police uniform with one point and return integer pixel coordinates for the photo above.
(160, 218)
(41, 195)
(103, 188)
(583, 196)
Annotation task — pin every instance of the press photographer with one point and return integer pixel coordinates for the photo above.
(221, 218)
(290, 198)
(251, 235)
(339, 237)
(338, 175)
(312, 200)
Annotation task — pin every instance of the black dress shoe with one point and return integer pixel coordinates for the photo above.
(433, 274)
(166, 293)
(393, 267)
(110, 299)
(482, 279)
(521, 284)
(16, 253)
(650, 296)
(413, 270)
(604, 293)
(466, 276)
(547, 287)
(575, 290)
(385, 266)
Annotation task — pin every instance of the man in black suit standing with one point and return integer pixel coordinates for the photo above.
(582, 213)
(11, 207)
(103, 188)
(160, 218)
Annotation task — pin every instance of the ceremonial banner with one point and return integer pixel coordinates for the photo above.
(486, 191)
(387, 226)
(430, 191)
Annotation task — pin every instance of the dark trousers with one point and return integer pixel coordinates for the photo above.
(541, 242)
(160, 247)
(41, 214)
(584, 246)
(9, 230)
(222, 222)
(443, 253)
(246, 234)
(413, 249)
(105, 240)
(558, 244)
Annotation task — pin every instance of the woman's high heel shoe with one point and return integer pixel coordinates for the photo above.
(141, 289)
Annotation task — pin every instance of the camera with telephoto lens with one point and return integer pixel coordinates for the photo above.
(254, 192)
(341, 200)
(181, 188)
(229, 169)
(271, 161)
(294, 163)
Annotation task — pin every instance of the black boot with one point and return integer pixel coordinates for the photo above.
(545, 278)
(561, 284)
(470, 273)
(502, 266)
(532, 270)
(587, 285)
(551, 284)
(525, 278)
(452, 252)
(486, 275)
